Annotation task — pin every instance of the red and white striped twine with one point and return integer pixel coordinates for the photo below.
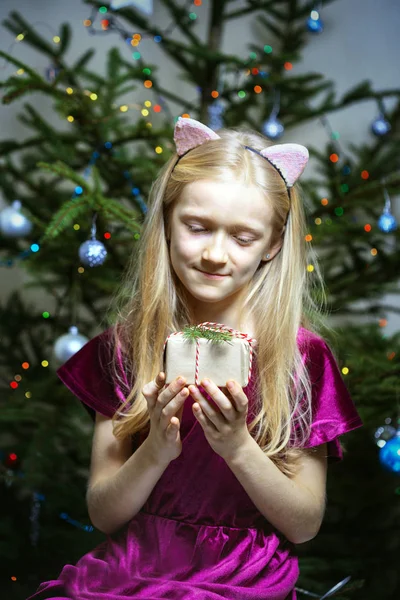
(218, 327)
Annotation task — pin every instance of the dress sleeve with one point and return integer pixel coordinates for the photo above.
(87, 374)
(333, 411)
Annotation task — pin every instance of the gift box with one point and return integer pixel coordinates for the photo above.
(209, 350)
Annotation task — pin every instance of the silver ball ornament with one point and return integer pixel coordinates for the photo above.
(92, 253)
(273, 128)
(68, 344)
(13, 223)
(380, 126)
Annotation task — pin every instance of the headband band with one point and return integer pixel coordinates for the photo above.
(289, 160)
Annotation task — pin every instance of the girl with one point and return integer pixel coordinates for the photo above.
(204, 492)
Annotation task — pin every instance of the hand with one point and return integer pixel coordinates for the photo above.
(165, 406)
(225, 430)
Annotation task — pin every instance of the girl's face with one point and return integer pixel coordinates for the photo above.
(223, 229)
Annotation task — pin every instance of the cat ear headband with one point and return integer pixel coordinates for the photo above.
(288, 159)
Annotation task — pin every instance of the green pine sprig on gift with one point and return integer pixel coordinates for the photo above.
(192, 332)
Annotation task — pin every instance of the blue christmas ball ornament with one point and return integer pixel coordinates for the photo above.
(314, 23)
(273, 128)
(389, 455)
(92, 253)
(380, 126)
(387, 222)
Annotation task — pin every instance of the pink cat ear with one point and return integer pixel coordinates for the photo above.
(289, 159)
(189, 133)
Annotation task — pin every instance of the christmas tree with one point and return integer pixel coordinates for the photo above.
(82, 189)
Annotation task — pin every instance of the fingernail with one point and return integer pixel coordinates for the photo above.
(181, 380)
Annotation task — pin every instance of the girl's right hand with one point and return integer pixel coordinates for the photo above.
(164, 403)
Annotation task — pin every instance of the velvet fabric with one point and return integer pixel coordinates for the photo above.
(198, 536)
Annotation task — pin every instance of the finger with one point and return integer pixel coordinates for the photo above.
(171, 408)
(212, 415)
(202, 417)
(220, 399)
(168, 394)
(173, 426)
(151, 390)
(240, 400)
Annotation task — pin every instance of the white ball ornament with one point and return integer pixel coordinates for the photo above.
(68, 344)
(13, 223)
(273, 128)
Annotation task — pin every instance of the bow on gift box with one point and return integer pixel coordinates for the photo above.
(216, 333)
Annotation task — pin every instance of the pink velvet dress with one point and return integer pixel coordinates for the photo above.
(198, 536)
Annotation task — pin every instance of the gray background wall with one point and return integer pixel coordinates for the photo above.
(360, 41)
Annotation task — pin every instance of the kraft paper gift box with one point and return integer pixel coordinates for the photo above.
(219, 361)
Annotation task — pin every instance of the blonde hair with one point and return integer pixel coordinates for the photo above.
(151, 302)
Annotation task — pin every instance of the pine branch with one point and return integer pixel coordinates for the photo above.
(181, 19)
(194, 332)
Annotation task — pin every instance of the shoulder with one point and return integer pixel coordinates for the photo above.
(89, 374)
(315, 352)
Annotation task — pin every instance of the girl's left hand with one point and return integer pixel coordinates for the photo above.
(225, 430)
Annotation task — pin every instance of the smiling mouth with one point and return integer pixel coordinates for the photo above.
(213, 274)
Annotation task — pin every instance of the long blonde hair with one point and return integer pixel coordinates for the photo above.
(151, 302)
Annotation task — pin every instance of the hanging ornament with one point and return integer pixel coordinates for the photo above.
(215, 115)
(13, 223)
(314, 22)
(389, 454)
(145, 6)
(387, 222)
(273, 128)
(380, 126)
(51, 73)
(34, 517)
(92, 252)
(68, 344)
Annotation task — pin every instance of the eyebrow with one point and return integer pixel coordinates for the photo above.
(236, 227)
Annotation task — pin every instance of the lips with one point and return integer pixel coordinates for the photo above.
(219, 274)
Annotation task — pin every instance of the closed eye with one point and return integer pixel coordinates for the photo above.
(201, 230)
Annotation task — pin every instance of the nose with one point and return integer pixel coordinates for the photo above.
(215, 251)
